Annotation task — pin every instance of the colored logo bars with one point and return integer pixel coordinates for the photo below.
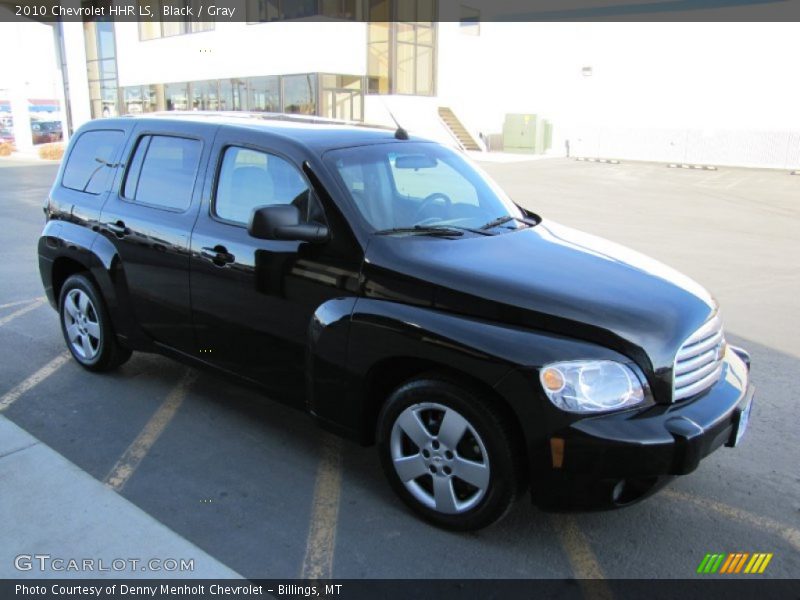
(735, 562)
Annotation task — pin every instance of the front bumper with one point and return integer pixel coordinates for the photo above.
(616, 459)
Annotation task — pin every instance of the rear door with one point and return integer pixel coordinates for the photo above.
(149, 218)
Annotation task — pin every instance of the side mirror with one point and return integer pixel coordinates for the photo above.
(282, 222)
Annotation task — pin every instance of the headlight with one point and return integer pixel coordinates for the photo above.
(591, 385)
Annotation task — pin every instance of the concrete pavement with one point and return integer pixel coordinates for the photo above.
(55, 513)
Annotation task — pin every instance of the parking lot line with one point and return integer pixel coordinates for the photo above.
(790, 534)
(25, 309)
(130, 459)
(320, 546)
(13, 395)
(18, 302)
(584, 563)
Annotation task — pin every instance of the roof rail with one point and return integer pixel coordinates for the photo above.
(264, 116)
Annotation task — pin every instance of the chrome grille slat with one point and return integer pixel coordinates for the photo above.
(701, 385)
(690, 364)
(698, 347)
(698, 362)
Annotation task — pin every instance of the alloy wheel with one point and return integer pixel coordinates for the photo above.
(82, 325)
(440, 458)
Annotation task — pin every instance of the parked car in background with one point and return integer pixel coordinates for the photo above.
(45, 132)
(386, 285)
(6, 136)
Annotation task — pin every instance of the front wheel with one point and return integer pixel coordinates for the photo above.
(450, 454)
(87, 328)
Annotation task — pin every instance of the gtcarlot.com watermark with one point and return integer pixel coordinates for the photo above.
(46, 563)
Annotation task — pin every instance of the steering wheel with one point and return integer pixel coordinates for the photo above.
(429, 202)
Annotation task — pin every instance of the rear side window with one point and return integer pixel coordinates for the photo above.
(91, 161)
(163, 171)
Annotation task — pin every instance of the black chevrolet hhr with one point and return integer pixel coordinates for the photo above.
(387, 286)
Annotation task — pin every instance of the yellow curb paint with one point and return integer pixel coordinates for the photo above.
(133, 456)
(320, 546)
(38, 377)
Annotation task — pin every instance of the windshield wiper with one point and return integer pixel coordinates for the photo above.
(505, 219)
(422, 230)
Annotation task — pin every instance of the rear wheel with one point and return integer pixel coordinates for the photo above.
(449, 454)
(87, 328)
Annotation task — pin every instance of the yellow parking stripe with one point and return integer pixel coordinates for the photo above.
(127, 464)
(13, 395)
(25, 309)
(790, 534)
(320, 546)
(584, 563)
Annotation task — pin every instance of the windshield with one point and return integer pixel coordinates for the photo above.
(407, 185)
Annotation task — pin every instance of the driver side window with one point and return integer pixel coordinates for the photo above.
(249, 179)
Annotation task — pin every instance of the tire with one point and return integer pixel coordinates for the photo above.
(432, 461)
(87, 328)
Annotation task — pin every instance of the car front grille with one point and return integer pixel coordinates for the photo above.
(698, 364)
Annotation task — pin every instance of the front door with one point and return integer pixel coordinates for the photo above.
(253, 299)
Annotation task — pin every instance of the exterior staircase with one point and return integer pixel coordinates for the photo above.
(457, 129)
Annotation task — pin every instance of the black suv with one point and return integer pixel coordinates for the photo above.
(387, 286)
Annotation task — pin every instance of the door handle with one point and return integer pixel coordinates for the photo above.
(218, 255)
(118, 228)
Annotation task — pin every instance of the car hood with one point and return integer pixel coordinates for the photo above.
(549, 277)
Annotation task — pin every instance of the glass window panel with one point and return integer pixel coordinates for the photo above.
(404, 82)
(339, 9)
(205, 95)
(426, 10)
(297, 9)
(132, 100)
(424, 70)
(168, 172)
(299, 94)
(149, 29)
(169, 28)
(149, 98)
(176, 96)
(379, 11)
(233, 94)
(378, 68)
(83, 172)
(105, 39)
(256, 11)
(249, 179)
(264, 94)
(108, 69)
(406, 11)
(425, 34)
(405, 33)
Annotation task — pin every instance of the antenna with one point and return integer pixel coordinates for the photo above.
(400, 133)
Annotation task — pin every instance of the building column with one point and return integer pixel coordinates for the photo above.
(20, 107)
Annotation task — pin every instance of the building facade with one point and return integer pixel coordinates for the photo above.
(344, 59)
